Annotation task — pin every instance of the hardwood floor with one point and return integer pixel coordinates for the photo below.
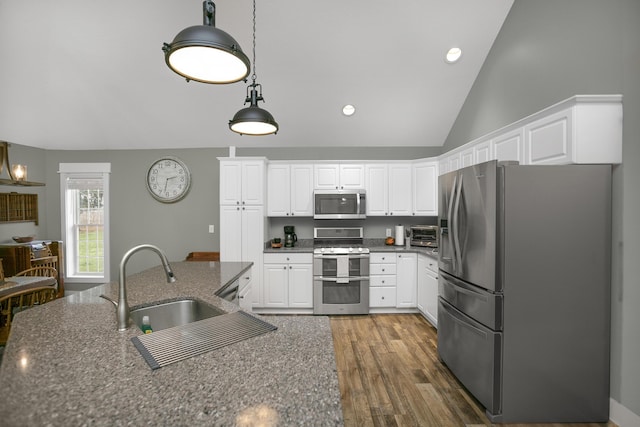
(390, 375)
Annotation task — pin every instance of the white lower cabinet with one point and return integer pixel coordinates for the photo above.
(428, 288)
(382, 284)
(406, 280)
(244, 291)
(288, 280)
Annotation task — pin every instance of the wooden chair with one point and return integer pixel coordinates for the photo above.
(19, 300)
(40, 270)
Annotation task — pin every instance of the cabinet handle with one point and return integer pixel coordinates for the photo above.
(290, 267)
(287, 213)
(243, 202)
(238, 208)
(237, 202)
(285, 267)
(382, 297)
(383, 269)
(383, 281)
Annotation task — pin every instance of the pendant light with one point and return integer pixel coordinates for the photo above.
(205, 53)
(253, 120)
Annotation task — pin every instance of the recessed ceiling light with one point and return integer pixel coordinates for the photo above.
(453, 55)
(348, 110)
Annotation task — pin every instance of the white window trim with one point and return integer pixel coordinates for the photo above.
(87, 169)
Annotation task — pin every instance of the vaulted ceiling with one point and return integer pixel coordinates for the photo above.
(85, 75)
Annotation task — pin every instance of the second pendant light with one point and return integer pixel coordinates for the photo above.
(253, 120)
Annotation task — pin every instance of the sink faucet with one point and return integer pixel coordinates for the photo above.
(122, 307)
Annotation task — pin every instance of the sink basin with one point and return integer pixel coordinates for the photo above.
(168, 314)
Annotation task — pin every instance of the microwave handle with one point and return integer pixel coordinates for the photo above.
(358, 203)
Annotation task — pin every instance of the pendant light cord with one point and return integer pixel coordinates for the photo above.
(253, 76)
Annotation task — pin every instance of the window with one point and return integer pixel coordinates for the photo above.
(84, 195)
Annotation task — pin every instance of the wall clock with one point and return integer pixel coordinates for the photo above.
(168, 179)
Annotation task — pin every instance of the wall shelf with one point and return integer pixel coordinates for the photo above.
(21, 183)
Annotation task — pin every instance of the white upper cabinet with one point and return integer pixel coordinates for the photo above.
(242, 182)
(509, 146)
(581, 129)
(377, 187)
(425, 189)
(400, 189)
(290, 189)
(338, 176)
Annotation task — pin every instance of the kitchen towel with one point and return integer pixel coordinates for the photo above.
(342, 266)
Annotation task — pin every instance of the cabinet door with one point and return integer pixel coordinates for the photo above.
(253, 238)
(482, 152)
(431, 296)
(244, 298)
(326, 177)
(230, 182)
(278, 194)
(425, 189)
(400, 189)
(466, 158)
(406, 280)
(509, 146)
(351, 176)
(376, 185)
(275, 285)
(548, 140)
(230, 233)
(300, 285)
(253, 182)
(301, 185)
(422, 283)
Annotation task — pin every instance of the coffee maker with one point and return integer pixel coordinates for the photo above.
(290, 237)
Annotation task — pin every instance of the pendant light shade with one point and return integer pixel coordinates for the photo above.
(253, 120)
(205, 53)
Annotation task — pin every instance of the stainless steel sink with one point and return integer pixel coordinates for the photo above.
(169, 314)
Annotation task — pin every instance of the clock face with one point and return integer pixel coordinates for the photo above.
(168, 179)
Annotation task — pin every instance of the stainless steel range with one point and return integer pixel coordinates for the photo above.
(340, 271)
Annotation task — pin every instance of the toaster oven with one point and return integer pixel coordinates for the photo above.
(424, 235)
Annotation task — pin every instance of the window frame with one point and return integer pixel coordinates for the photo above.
(90, 171)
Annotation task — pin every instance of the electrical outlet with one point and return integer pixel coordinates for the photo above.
(212, 229)
(388, 232)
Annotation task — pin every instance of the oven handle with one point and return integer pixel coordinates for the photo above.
(340, 279)
(332, 256)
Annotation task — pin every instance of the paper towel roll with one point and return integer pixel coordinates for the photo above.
(399, 235)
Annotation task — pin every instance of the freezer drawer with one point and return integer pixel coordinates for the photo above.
(473, 353)
(483, 306)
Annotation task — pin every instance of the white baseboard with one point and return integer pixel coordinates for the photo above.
(622, 416)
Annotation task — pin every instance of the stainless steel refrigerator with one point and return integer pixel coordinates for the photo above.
(524, 288)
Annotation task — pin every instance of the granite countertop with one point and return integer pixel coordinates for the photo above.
(69, 366)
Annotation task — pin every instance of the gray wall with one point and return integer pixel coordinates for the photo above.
(547, 51)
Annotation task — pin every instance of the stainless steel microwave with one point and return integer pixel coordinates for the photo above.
(339, 204)
(424, 235)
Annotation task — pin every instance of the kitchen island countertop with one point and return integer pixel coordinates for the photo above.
(67, 364)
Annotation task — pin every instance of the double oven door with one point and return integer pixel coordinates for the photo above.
(341, 283)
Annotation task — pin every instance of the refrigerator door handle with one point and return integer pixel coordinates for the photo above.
(451, 224)
(455, 226)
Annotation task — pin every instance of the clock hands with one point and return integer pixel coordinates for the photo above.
(167, 181)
